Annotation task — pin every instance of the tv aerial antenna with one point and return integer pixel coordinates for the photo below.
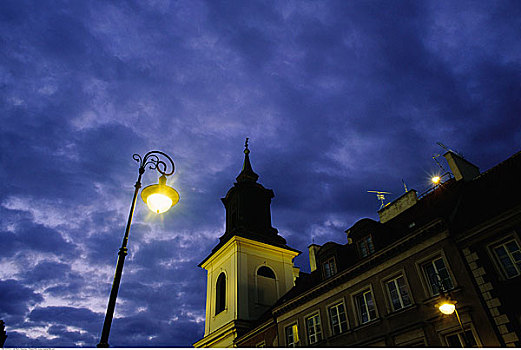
(435, 156)
(380, 195)
(449, 149)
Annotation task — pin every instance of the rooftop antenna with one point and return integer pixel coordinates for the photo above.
(439, 164)
(449, 149)
(404, 186)
(380, 195)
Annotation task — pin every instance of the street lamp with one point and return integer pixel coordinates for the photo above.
(447, 306)
(159, 198)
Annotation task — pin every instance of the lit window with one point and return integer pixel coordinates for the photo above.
(365, 306)
(366, 246)
(509, 256)
(220, 295)
(460, 340)
(329, 267)
(314, 329)
(398, 293)
(337, 316)
(438, 276)
(292, 336)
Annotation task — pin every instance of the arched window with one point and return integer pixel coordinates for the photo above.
(266, 272)
(220, 295)
(266, 286)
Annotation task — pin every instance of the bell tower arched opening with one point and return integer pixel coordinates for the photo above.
(220, 293)
(267, 287)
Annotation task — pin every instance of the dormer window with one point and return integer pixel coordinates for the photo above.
(329, 267)
(366, 246)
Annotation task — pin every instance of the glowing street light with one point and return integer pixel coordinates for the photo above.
(436, 180)
(447, 308)
(159, 198)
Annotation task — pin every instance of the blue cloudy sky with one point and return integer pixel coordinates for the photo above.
(337, 98)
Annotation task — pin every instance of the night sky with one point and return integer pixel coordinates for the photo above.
(337, 98)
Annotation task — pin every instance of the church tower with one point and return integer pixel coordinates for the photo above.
(251, 266)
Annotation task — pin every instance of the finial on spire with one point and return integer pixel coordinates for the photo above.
(247, 174)
(246, 150)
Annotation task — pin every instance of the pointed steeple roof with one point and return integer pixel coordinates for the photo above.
(247, 174)
(248, 212)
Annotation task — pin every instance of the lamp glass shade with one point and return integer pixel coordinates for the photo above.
(160, 197)
(447, 308)
(158, 203)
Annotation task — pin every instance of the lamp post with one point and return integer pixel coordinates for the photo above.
(159, 199)
(447, 306)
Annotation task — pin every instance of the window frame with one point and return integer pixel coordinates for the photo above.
(426, 282)
(330, 321)
(292, 327)
(385, 286)
(459, 333)
(327, 262)
(495, 258)
(359, 318)
(314, 314)
(363, 240)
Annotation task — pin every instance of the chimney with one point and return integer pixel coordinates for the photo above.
(461, 168)
(313, 249)
(404, 202)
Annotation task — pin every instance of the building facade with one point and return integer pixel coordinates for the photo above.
(460, 242)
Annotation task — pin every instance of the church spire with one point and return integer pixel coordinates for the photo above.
(247, 174)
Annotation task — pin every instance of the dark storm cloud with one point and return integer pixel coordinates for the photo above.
(147, 328)
(72, 326)
(78, 317)
(48, 270)
(15, 298)
(337, 97)
(26, 235)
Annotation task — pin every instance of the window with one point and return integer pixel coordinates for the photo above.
(329, 268)
(292, 336)
(365, 306)
(266, 286)
(398, 293)
(366, 246)
(337, 316)
(460, 340)
(220, 295)
(437, 275)
(509, 256)
(266, 272)
(314, 329)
